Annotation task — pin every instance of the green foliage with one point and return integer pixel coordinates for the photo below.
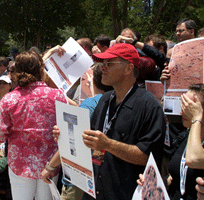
(27, 23)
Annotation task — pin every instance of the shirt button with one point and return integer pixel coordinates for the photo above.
(123, 134)
(97, 192)
(99, 176)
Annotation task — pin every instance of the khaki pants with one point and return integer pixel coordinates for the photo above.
(71, 193)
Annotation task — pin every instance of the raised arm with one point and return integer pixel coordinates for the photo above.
(194, 151)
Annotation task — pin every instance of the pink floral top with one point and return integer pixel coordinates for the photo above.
(27, 117)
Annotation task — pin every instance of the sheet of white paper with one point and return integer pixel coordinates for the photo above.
(172, 105)
(54, 191)
(67, 69)
(75, 156)
(154, 183)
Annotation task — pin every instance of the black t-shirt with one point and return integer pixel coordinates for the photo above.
(192, 174)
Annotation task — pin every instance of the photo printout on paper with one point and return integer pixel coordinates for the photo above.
(67, 69)
(171, 105)
(186, 66)
(75, 156)
(153, 185)
(156, 88)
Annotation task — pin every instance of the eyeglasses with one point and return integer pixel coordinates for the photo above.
(108, 64)
(180, 31)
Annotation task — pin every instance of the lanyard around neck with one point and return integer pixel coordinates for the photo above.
(107, 125)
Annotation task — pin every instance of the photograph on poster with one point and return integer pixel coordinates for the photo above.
(171, 105)
(153, 187)
(186, 66)
(156, 88)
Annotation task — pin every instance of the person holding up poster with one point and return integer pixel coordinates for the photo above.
(128, 123)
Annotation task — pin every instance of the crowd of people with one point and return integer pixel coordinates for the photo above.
(127, 122)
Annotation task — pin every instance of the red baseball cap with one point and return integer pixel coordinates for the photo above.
(123, 50)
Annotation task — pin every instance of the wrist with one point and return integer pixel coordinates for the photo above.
(134, 42)
(49, 168)
(194, 120)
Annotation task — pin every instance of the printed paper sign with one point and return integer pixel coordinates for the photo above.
(76, 158)
(67, 69)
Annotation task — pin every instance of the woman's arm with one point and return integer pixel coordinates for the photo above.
(194, 151)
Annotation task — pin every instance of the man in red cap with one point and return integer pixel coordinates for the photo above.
(126, 126)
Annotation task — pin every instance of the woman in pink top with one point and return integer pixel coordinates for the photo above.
(27, 117)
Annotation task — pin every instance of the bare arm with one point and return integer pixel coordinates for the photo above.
(99, 141)
(54, 162)
(194, 149)
(60, 51)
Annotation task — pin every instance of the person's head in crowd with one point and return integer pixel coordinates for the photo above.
(14, 52)
(35, 49)
(195, 89)
(102, 42)
(127, 32)
(137, 34)
(12, 74)
(29, 68)
(185, 30)
(201, 32)
(158, 42)
(97, 76)
(120, 64)
(5, 85)
(3, 65)
(86, 44)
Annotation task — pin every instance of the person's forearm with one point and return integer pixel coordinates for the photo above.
(194, 149)
(139, 45)
(55, 161)
(126, 152)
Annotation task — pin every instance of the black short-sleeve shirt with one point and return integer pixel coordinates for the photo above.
(141, 122)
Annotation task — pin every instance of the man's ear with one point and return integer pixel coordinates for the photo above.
(129, 68)
(192, 32)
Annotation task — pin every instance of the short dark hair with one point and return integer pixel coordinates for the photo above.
(198, 88)
(190, 24)
(158, 41)
(103, 40)
(4, 61)
(136, 70)
(138, 35)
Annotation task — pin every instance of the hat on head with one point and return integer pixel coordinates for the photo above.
(123, 50)
(13, 51)
(6, 79)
